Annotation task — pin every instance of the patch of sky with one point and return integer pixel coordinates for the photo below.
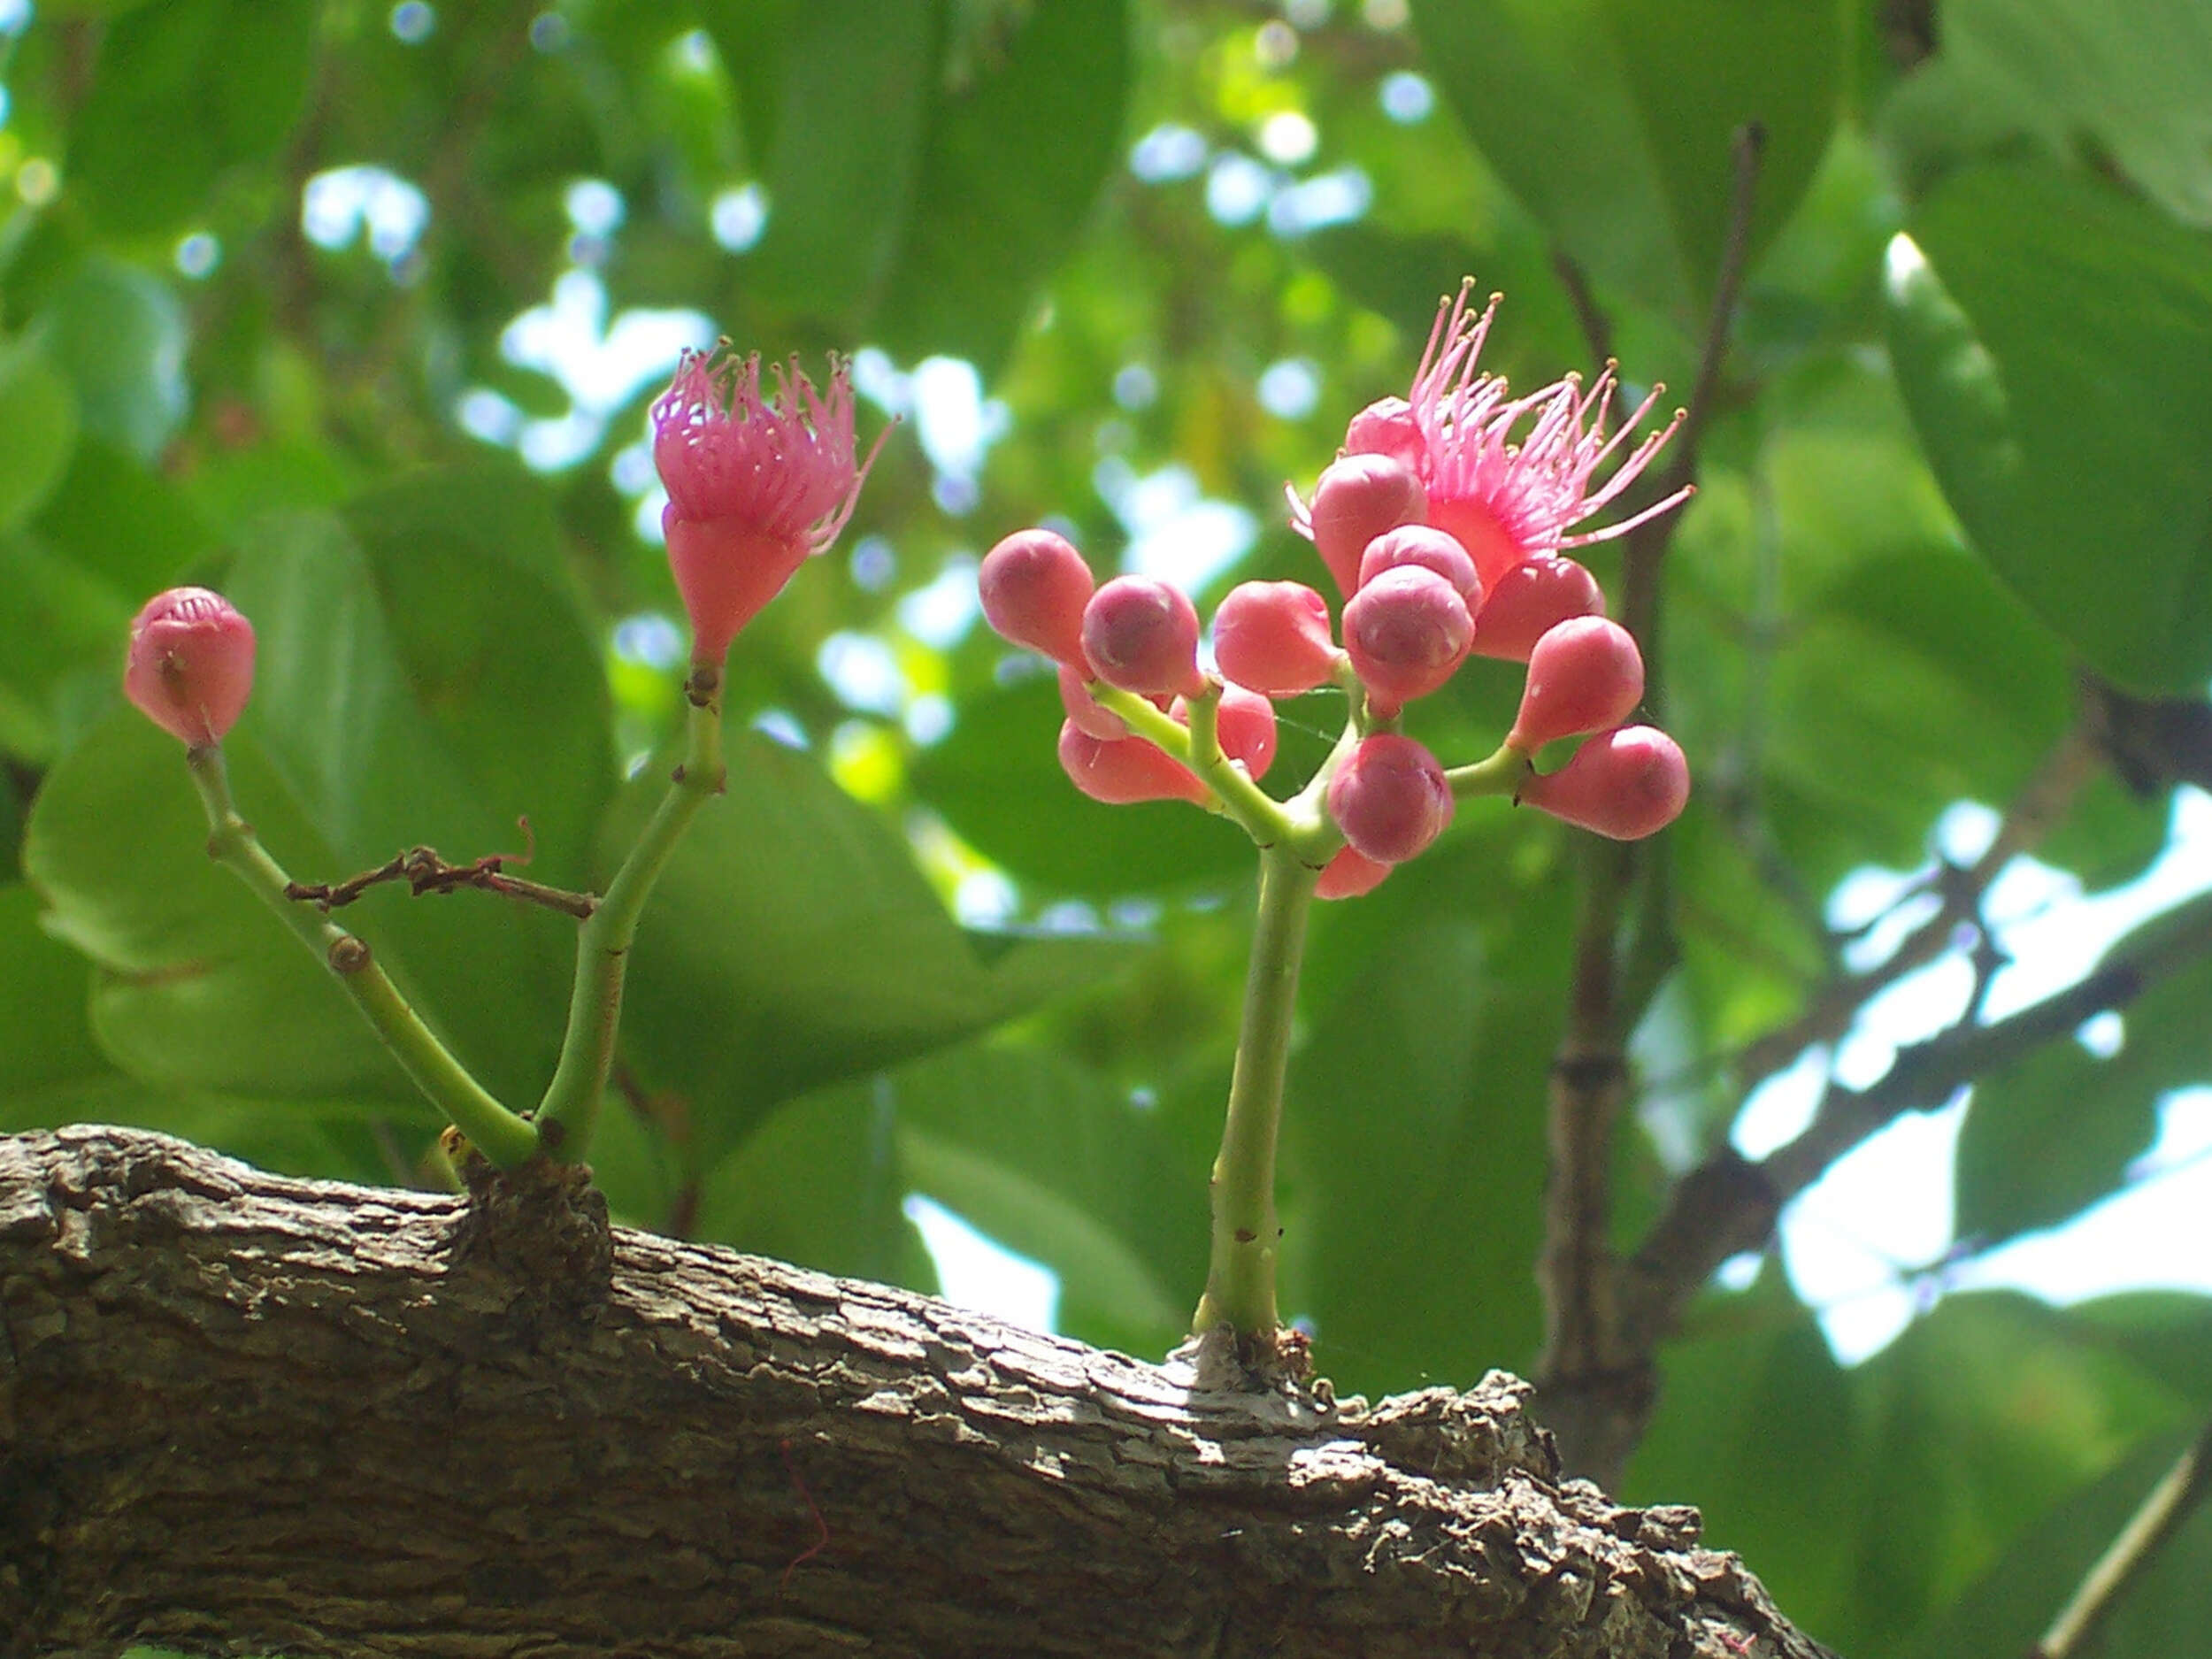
(1406, 98)
(1176, 533)
(414, 22)
(873, 563)
(548, 32)
(1860, 1242)
(1385, 15)
(1275, 44)
(940, 611)
(695, 51)
(985, 898)
(1237, 188)
(340, 204)
(1135, 387)
(781, 726)
(1289, 388)
(1168, 152)
(738, 217)
(1335, 198)
(649, 640)
(596, 209)
(197, 255)
(954, 423)
(601, 364)
(15, 16)
(928, 718)
(1306, 14)
(975, 1270)
(864, 672)
(1288, 137)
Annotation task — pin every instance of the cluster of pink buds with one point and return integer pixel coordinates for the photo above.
(1447, 522)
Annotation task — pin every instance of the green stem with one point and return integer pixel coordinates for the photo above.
(571, 1108)
(1502, 773)
(1247, 1239)
(1198, 746)
(502, 1137)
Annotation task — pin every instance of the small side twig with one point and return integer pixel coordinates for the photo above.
(2179, 1492)
(424, 871)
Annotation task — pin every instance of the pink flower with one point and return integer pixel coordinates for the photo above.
(756, 484)
(190, 668)
(1509, 497)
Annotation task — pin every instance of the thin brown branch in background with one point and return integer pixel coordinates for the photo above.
(2170, 1502)
(1585, 1390)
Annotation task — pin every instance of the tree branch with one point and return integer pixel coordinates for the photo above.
(240, 1413)
(1581, 1370)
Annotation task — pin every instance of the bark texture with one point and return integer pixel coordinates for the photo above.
(241, 1414)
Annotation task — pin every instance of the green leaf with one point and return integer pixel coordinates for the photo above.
(1613, 120)
(221, 81)
(197, 984)
(425, 683)
(38, 429)
(792, 942)
(2055, 1131)
(997, 781)
(2054, 347)
(119, 334)
(1019, 142)
(858, 77)
(2133, 81)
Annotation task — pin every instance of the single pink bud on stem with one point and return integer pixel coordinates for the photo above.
(1408, 632)
(1033, 585)
(1354, 500)
(1626, 784)
(1142, 635)
(191, 664)
(1274, 637)
(1585, 675)
(757, 483)
(1531, 600)
(1390, 799)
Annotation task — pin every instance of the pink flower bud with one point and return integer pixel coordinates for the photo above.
(191, 664)
(1244, 724)
(756, 484)
(1391, 799)
(1086, 710)
(1530, 600)
(1125, 771)
(1355, 501)
(1033, 585)
(1388, 426)
(1142, 635)
(1584, 675)
(1274, 637)
(1348, 875)
(1431, 549)
(1626, 784)
(1408, 632)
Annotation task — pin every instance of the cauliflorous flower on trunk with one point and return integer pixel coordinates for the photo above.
(757, 483)
(190, 668)
(1511, 477)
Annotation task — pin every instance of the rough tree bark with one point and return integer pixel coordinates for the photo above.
(240, 1413)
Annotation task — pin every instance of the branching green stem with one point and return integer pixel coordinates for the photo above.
(1247, 1239)
(570, 1110)
(1502, 773)
(501, 1136)
(1198, 746)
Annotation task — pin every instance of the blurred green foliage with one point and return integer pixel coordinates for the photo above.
(277, 285)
